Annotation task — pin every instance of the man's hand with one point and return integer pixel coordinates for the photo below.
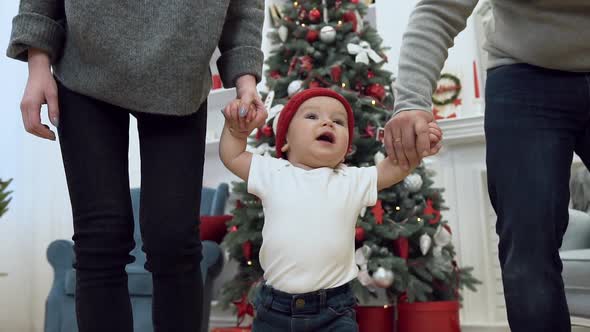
(41, 89)
(247, 93)
(407, 138)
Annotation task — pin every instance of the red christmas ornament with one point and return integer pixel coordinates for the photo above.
(375, 90)
(302, 14)
(378, 212)
(267, 131)
(239, 204)
(370, 74)
(370, 131)
(312, 35)
(275, 74)
(306, 63)
(351, 17)
(247, 250)
(429, 210)
(354, 1)
(314, 84)
(338, 4)
(233, 229)
(315, 15)
(359, 87)
(359, 234)
(244, 308)
(401, 247)
(336, 73)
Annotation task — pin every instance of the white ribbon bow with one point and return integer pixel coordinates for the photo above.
(363, 52)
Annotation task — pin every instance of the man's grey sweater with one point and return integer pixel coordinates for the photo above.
(143, 55)
(552, 34)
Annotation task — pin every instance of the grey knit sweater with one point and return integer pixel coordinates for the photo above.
(143, 55)
(547, 33)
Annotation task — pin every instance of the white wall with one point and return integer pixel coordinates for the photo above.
(15, 241)
(392, 18)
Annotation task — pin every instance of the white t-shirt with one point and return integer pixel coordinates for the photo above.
(310, 217)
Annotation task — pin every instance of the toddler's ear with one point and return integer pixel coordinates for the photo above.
(285, 147)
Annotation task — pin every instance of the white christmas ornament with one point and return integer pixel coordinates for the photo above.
(379, 157)
(294, 87)
(425, 243)
(328, 34)
(283, 33)
(383, 278)
(413, 182)
(363, 52)
(442, 237)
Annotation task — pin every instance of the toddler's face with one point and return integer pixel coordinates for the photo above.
(318, 133)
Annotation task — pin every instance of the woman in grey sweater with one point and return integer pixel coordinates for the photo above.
(537, 115)
(149, 59)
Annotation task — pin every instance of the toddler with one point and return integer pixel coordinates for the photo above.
(311, 203)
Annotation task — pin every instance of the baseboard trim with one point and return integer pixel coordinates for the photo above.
(579, 321)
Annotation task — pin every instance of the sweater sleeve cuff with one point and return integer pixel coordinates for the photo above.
(30, 30)
(240, 61)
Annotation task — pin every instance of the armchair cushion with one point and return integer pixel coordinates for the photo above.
(213, 228)
(576, 269)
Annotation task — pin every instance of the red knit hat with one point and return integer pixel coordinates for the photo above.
(286, 115)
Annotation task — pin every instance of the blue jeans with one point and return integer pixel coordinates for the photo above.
(323, 310)
(535, 119)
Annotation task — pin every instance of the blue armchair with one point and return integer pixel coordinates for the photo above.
(59, 308)
(575, 254)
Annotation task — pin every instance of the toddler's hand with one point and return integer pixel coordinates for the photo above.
(241, 125)
(435, 135)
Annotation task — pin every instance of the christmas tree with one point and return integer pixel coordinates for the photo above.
(404, 245)
(4, 196)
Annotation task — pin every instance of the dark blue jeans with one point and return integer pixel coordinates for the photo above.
(535, 119)
(324, 310)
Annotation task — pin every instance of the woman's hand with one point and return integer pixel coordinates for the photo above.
(41, 89)
(247, 93)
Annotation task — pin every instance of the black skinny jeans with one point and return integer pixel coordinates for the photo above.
(94, 139)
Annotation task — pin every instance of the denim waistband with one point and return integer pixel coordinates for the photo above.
(305, 303)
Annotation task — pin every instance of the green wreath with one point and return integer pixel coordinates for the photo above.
(455, 95)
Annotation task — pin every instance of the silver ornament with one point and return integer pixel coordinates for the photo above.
(383, 278)
(328, 34)
(442, 237)
(413, 182)
(294, 87)
(283, 33)
(425, 243)
(379, 157)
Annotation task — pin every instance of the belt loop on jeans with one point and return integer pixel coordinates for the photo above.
(323, 296)
(267, 297)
